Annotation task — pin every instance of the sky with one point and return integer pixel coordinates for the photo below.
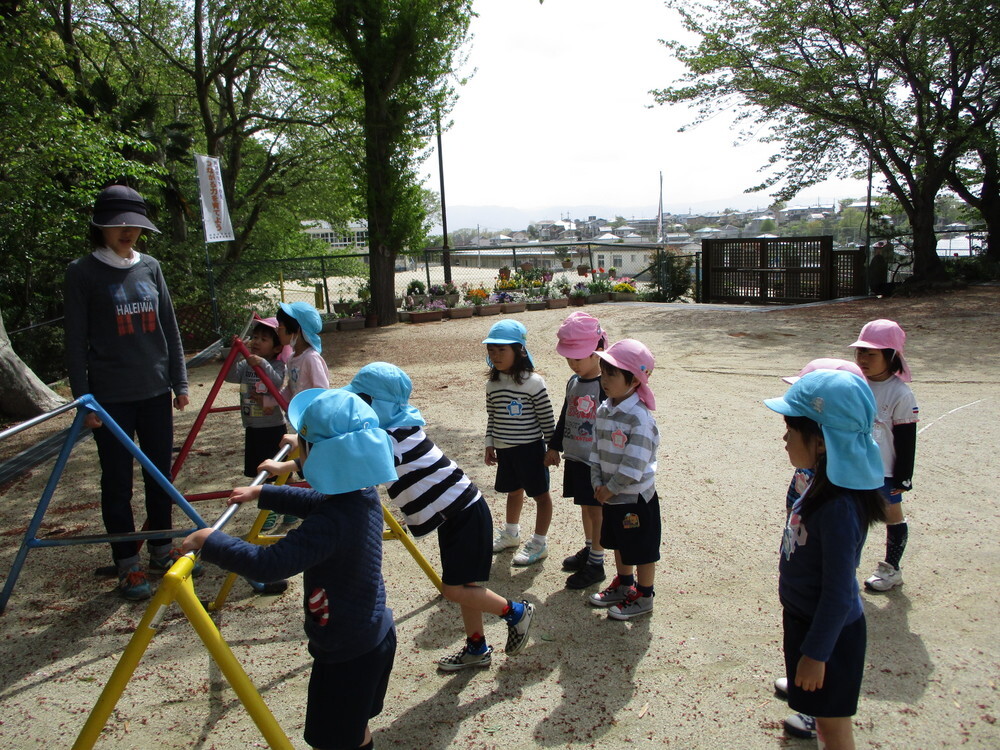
(557, 119)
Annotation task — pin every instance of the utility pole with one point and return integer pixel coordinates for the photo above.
(445, 250)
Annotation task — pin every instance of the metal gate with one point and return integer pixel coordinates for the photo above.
(779, 270)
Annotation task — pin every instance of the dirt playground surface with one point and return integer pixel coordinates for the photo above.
(695, 674)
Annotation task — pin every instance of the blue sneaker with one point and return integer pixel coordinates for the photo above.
(163, 564)
(133, 584)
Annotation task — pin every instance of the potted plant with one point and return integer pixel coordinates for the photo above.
(599, 289)
(562, 254)
(624, 290)
(460, 309)
(510, 302)
(536, 302)
(578, 295)
(559, 293)
(343, 305)
(527, 266)
(429, 312)
(329, 321)
(416, 289)
(352, 322)
(504, 272)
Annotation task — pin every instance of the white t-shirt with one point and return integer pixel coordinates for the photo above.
(895, 404)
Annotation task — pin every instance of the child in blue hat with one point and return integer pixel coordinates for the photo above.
(829, 416)
(299, 326)
(434, 493)
(519, 426)
(338, 548)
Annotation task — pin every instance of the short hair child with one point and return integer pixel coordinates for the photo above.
(623, 473)
(263, 421)
(519, 424)
(434, 493)
(338, 547)
(580, 336)
(829, 416)
(879, 353)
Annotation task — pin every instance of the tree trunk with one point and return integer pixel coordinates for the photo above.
(22, 394)
(927, 265)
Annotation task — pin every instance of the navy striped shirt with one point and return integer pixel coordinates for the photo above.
(431, 487)
(518, 414)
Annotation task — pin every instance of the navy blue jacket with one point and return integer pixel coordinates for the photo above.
(338, 547)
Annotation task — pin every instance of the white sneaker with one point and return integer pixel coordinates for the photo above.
(781, 686)
(531, 553)
(504, 540)
(884, 578)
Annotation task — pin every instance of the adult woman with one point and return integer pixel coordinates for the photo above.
(123, 346)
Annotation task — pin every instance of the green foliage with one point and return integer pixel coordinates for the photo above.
(978, 268)
(672, 278)
(910, 86)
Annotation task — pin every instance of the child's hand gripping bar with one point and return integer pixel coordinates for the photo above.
(259, 479)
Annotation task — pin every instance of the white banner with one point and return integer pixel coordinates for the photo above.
(215, 213)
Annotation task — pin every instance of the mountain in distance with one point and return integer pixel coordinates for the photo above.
(495, 218)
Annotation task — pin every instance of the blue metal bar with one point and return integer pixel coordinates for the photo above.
(43, 503)
(84, 405)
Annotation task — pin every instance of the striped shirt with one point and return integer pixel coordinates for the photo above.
(624, 454)
(431, 487)
(518, 414)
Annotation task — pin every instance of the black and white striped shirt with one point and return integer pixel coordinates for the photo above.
(431, 487)
(518, 414)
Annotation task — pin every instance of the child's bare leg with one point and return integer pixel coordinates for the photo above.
(474, 600)
(592, 517)
(543, 517)
(835, 733)
(645, 574)
(515, 501)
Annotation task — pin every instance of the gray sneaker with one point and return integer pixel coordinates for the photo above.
(613, 594)
(517, 634)
(463, 660)
(635, 604)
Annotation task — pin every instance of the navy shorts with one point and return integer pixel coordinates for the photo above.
(260, 444)
(576, 483)
(466, 544)
(842, 681)
(886, 491)
(521, 467)
(344, 696)
(633, 530)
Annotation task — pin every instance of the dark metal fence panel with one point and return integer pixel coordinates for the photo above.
(779, 270)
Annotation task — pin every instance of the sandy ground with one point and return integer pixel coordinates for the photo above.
(696, 674)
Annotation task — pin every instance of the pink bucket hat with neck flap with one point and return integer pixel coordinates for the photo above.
(633, 356)
(885, 334)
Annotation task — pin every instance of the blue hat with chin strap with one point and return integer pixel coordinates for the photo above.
(844, 407)
(389, 388)
(349, 451)
(308, 319)
(509, 332)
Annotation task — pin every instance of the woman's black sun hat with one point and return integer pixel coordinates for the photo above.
(121, 206)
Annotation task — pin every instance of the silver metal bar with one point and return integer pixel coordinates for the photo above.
(259, 479)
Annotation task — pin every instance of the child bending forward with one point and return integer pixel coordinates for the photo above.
(338, 547)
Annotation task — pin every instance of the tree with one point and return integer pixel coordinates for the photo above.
(396, 59)
(841, 83)
(22, 394)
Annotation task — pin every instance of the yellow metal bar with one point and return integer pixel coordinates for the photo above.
(177, 586)
(224, 657)
(395, 531)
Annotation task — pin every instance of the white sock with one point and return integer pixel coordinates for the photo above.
(514, 529)
(538, 539)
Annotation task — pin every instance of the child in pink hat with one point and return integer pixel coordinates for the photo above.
(580, 337)
(879, 353)
(623, 472)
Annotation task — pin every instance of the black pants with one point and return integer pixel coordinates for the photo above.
(152, 421)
